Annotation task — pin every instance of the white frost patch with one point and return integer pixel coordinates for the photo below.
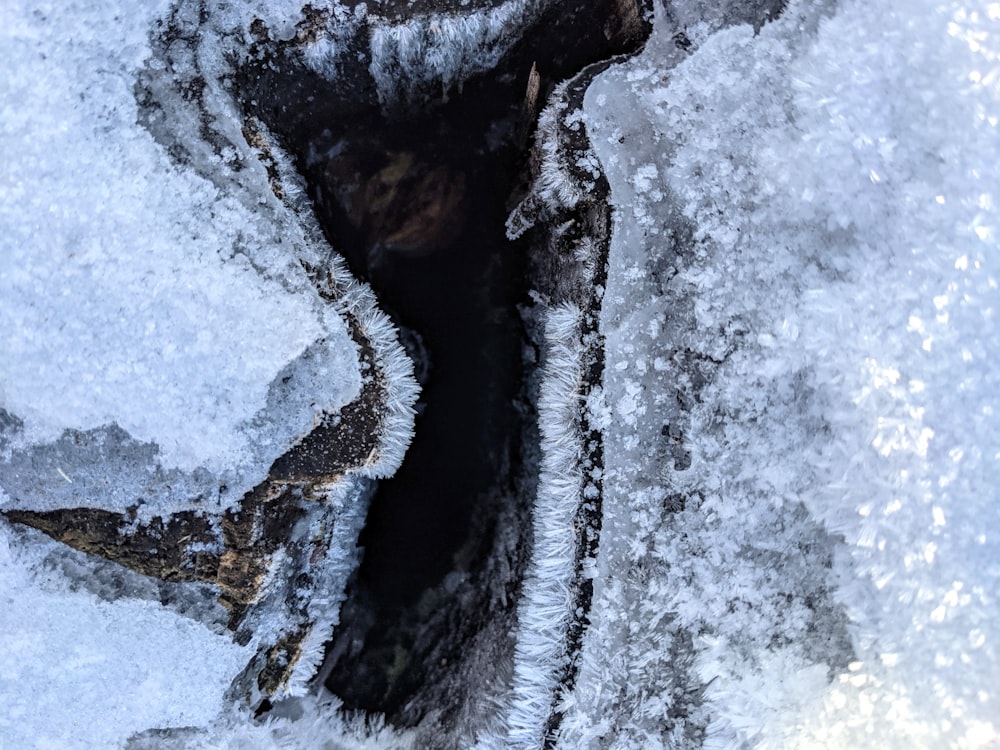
(319, 722)
(437, 52)
(132, 290)
(120, 668)
(543, 613)
(816, 290)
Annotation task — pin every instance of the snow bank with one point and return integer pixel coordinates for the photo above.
(802, 369)
(173, 323)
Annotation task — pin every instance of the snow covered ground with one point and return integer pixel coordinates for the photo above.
(78, 672)
(142, 295)
(799, 409)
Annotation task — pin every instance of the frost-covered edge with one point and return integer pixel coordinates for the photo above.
(355, 303)
(545, 607)
(568, 193)
(407, 59)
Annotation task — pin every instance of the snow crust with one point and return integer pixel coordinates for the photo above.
(315, 722)
(139, 294)
(802, 450)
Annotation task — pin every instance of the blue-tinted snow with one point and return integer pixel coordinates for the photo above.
(812, 366)
(77, 673)
(801, 299)
(136, 295)
(161, 340)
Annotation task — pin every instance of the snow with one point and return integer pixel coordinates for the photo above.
(165, 344)
(804, 251)
(799, 405)
(544, 609)
(176, 670)
(554, 186)
(315, 723)
(143, 296)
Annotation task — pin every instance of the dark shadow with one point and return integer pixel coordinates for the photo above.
(416, 201)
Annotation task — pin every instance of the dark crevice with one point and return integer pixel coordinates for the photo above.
(416, 200)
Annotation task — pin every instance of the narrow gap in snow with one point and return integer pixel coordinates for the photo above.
(417, 201)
